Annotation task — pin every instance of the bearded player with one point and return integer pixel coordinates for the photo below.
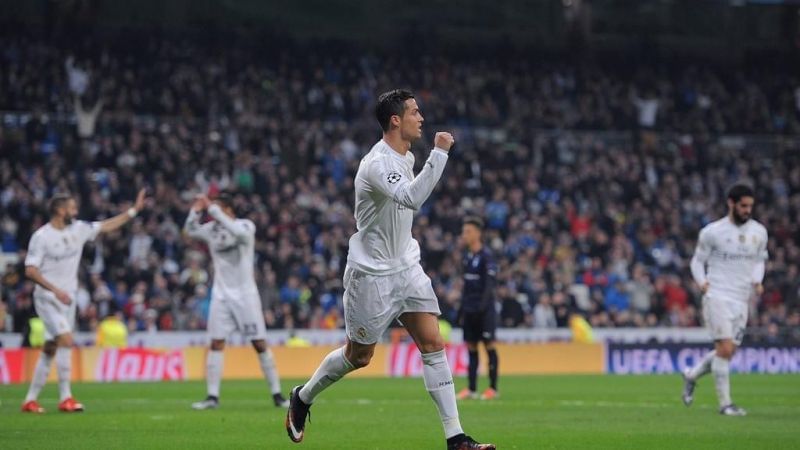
(53, 260)
(728, 265)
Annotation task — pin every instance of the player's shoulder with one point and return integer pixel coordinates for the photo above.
(79, 225)
(379, 154)
(758, 226)
(42, 232)
(247, 223)
(715, 226)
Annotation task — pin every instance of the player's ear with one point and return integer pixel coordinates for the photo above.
(394, 121)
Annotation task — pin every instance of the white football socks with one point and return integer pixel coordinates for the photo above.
(721, 369)
(214, 361)
(439, 383)
(267, 362)
(64, 368)
(331, 370)
(703, 367)
(40, 374)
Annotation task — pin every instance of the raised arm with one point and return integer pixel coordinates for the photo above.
(241, 230)
(193, 227)
(119, 220)
(412, 193)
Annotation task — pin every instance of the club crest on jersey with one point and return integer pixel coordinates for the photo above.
(361, 332)
(393, 177)
(741, 238)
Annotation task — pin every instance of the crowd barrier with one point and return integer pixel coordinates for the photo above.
(634, 359)
(399, 359)
(402, 359)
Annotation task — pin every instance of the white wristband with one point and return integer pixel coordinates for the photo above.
(132, 212)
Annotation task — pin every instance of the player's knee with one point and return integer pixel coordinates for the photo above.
(472, 346)
(358, 356)
(725, 350)
(489, 345)
(260, 345)
(49, 348)
(65, 340)
(434, 345)
(217, 345)
(361, 360)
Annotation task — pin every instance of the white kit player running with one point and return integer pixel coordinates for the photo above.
(728, 265)
(53, 260)
(235, 303)
(383, 279)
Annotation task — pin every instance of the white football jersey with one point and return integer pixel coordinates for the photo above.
(232, 246)
(387, 194)
(734, 256)
(57, 254)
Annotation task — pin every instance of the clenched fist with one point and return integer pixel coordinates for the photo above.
(443, 140)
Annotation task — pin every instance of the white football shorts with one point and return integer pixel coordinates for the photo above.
(372, 302)
(245, 316)
(57, 317)
(725, 319)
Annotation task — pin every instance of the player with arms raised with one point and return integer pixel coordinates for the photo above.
(728, 265)
(235, 303)
(383, 279)
(53, 260)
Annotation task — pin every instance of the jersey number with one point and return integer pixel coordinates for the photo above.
(249, 329)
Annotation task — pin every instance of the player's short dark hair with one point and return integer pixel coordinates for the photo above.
(737, 191)
(58, 201)
(475, 221)
(225, 200)
(392, 103)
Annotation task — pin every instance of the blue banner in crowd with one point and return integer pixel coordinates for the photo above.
(632, 359)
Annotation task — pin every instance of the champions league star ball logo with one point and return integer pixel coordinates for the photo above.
(393, 177)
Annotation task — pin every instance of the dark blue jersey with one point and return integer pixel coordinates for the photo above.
(479, 279)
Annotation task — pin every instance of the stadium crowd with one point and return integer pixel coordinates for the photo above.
(600, 219)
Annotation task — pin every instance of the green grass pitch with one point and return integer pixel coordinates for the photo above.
(536, 412)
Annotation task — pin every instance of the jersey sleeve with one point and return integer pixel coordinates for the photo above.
(193, 227)
(762, 254)
(701, 254)
(242, 229)
(489, 274)
(88, 231)
(389, 180)
(35, 251)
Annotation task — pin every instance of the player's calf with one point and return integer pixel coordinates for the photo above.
(688, 388)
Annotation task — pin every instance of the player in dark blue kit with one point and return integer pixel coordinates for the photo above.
(478, 314)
